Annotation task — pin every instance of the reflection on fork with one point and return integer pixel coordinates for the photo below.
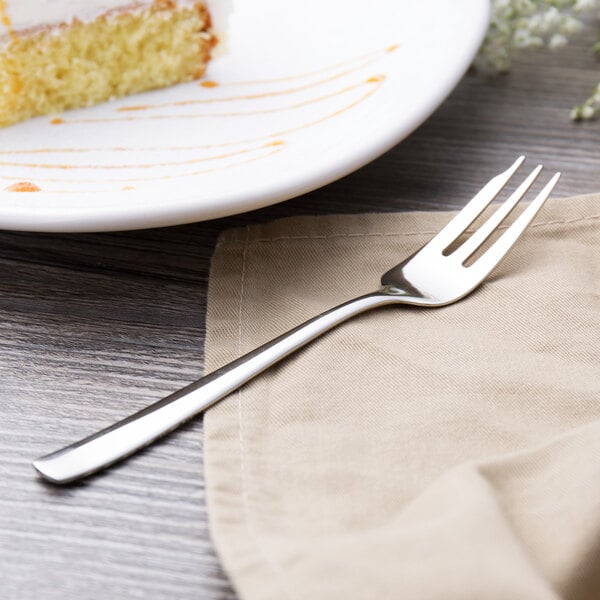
(436, 275)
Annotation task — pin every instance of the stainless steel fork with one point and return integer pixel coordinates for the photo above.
(433, 276)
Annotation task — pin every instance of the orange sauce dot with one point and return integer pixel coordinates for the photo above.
(376, 79)
(125, 188)
(209, 84)
(392, 47)
(23, 186)
(57, 121)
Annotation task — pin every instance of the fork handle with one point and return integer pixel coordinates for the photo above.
(133, 433)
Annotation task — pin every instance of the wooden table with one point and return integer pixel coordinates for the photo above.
(94, 326)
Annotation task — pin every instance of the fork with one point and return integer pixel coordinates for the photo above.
(436, 275)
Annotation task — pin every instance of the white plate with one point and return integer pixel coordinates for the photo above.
(307, 92)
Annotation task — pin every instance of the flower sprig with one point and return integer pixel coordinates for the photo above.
(518, 24)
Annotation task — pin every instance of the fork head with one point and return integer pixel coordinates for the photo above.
(434, 276)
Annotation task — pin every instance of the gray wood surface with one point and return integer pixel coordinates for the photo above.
(94, 326)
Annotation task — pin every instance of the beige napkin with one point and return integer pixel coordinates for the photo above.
(411, 453)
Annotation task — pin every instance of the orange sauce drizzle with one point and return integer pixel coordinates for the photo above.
(374, 88)
(208, 84)
(284, 92)
(129, 166)
(133, 108)
(357, 63)
(23, 186)
(244, 113)
(379, 80)
(160, 177)
(278, 145)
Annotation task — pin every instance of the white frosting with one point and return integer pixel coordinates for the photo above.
(27, 14)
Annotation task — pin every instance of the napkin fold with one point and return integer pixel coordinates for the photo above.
(445, 453)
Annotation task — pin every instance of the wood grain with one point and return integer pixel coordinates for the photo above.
(94, 326)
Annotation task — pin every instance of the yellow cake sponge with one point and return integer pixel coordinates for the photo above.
(46, 72)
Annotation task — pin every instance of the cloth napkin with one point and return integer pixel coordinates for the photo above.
(448, 453)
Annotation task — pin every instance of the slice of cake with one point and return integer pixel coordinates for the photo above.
(61, 54)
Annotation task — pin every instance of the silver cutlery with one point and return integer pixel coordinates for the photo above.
(436, 275)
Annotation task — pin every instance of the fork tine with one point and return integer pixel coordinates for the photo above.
(483, 233)
(493, 255)
(474, 208)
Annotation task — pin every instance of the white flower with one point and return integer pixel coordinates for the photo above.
(522, 38)
(520, 24)
(550, 19)
(524, 6)
(558, 40)
(585, 5)
(587, 112)
(570, 25)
